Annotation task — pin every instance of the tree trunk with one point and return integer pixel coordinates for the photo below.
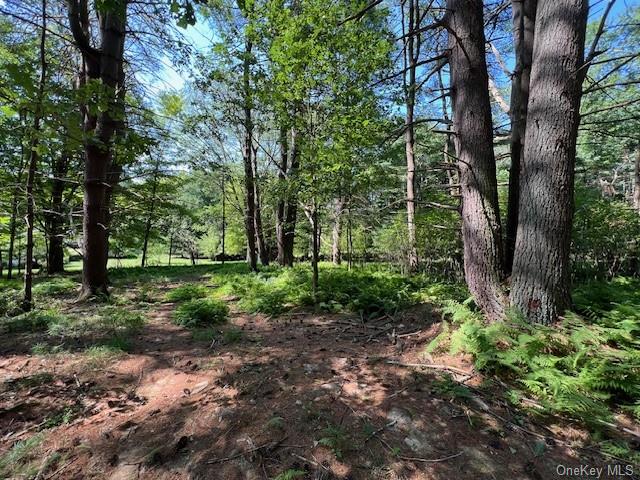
(55, 217)
(27, 300)
(474, 146)
(336, 253)
(291, 210)
(541, 275)
(636, 185)
(315, 248)
(524, 14)
(247, 151)
(104, 64)
(411, 52)
(224, 216)
(280, 210)
(263, 250)
(13, 223)
(152, 204)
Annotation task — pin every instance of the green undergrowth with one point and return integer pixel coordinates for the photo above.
(371, 292)
(201, 312)
(585, 367)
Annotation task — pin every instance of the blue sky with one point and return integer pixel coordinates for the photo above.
(201, 36)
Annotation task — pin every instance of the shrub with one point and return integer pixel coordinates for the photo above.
(581, 367)
(55, 286)
(186, 292)
(33, 321)
(201, 312)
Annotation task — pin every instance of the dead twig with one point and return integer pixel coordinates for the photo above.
(430, 460)
(432, 366)
(268, 445)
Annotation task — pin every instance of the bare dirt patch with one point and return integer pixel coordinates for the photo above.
(327, 396)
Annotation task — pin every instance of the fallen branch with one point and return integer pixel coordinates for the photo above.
(268, 445)
(431, 366)
(430, 460)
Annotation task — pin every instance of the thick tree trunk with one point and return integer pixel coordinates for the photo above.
(411, 55)
(474, 147)
(524, 14)
(336, 234)
(541, 275)
(27, 300)
(248, 163)
(291, 210)
(636, 183)
(280, 210)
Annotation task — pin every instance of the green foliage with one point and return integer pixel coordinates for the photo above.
(581, 367)
(369, 292)
(33, 321)
(185, 292)
(22, 460)
(337, 439)
(232, 335)
(291, 474)
(201, 312)
(55, 286)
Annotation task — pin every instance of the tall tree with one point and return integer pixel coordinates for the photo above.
(523, 15)
(411, 54)
(102, 68)
(481, 228)
(34, 157)
(541, 271)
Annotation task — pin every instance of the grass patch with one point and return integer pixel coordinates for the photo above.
(232, 335)
(34, 321)
(204, 334)
(201, 312)
(55, 286)
(186, 292)
(23, 459)
(99, 356)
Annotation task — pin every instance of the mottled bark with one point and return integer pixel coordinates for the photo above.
(541, 274)
(523, 15)
(152, 205)
(474, 147)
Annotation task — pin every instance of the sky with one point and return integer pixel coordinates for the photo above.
(201, 36)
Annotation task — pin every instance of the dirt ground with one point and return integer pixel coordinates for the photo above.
(323, 395)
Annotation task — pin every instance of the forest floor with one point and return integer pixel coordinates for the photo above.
(297, 395)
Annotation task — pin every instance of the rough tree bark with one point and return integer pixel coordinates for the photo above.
(247, 151)
(541, 276)
(27, 300)
(101, 64)
(336, 234)
(474, 147)
(524, 13)
(280, 210)
(411, 52)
